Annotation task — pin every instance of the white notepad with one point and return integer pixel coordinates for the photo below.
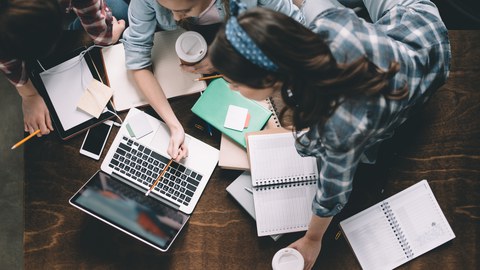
(284, 183)
(166, 68)
(398, 229)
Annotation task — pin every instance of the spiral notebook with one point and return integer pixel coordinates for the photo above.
(284, 183)
(398, 229)
(232, 155)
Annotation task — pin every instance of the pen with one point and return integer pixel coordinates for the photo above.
(249, 189)
(25, 139)
(208, 77)
(159, 176)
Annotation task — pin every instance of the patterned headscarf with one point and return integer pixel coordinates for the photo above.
(242, 43)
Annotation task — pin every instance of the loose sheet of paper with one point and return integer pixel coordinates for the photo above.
(95, 98)
(138, 126)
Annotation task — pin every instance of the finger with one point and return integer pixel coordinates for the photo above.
(48, 121)
(121, 22)
(43, 129)
(114, 20)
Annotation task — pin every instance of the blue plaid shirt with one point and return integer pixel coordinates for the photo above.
(412, 34)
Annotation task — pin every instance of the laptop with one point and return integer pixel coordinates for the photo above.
(116, 193)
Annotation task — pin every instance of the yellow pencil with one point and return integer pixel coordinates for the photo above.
(25, 139)
(158, 178)
(209, 77)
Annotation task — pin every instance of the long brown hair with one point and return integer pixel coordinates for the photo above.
(29, 28)
(313, 81)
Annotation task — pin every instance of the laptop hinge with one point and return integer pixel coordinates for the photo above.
(143, 189)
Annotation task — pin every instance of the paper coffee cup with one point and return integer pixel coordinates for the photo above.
(191, 47)
(287, 259)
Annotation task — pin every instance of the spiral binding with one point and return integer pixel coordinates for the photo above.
(397, 230)
(290, 179)
(286, 185)
(273, 109)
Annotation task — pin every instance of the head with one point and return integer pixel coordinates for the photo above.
(184, 9)
(309, 78)
(29, 29)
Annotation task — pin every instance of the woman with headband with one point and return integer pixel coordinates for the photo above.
(348, 82)
(148, 16)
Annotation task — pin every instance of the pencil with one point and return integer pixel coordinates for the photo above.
(159, 177)
(25, 139)
(209, 77)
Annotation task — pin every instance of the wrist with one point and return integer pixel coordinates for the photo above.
(27, 90)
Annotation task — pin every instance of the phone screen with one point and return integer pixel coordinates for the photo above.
(95, 138)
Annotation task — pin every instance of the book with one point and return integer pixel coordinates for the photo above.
(284, 183)
(241, 190)
(166, 68)
(214, 103)
(397, 229)
(232, 155)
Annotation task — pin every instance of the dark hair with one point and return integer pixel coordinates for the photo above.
(306, 67)
(29, 29)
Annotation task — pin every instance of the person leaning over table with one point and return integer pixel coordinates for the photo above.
(29, 30)
(350, 83)
(148, 16)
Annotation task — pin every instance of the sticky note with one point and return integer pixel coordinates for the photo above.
(95, 98)
(236, 117)
(138, 126)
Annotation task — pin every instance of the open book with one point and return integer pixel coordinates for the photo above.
(166, 68)
(284, 183)
(398, 229)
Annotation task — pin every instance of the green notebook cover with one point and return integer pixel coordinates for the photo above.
(212, 106)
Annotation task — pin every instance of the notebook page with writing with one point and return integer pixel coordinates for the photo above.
(274, 159)
(398, 229)
(283, 208)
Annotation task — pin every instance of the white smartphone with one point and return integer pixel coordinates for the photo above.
(95, 140)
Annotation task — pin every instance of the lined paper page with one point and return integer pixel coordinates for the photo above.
(421, 218)
(283, 210)
(373, 240)
(274, 159)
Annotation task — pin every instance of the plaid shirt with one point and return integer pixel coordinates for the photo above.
(96, 19)
(412, 34)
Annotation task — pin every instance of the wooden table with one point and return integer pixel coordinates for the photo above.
(442, 145)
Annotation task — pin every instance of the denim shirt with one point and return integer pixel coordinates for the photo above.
(146, 16)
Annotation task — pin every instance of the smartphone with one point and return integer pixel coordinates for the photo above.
(95, 140)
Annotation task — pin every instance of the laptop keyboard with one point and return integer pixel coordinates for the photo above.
(141, 164)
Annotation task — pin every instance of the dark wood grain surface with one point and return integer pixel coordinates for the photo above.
(441, 144)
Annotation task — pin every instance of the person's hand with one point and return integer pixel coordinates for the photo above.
(309, 248)
(117, 29)
(36, 114)
(177, 147)
(203, 67)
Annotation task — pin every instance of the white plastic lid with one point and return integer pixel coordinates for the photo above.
(191, 47)
(287, 259)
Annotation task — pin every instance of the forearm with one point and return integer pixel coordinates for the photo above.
(152, 90)
(317, 227)
(27, 90)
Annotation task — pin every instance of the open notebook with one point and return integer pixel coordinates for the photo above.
(284, 183)
(166, 68)
(397, 229)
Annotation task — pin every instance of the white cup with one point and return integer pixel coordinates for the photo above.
(191, 47)
(287, 259)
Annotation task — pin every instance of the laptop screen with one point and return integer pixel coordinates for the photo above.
(129, 210)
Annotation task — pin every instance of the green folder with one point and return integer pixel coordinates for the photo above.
(212, 107)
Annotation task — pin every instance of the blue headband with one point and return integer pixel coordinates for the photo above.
(243, 43)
